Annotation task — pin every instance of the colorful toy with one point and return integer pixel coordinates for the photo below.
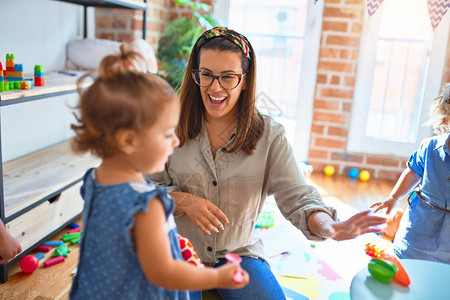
(353, 173)
(74, 225)
(75, 230)
(381, 270)
(62, 250)
(53, 243)
(328, 170)
(29, 263)
(188, 252)
(364, 175)
(234, 258)
(73, 237)
(44, 248)
(40, 256)
(39, 75)
(401, 276)
(265, 220)
(53, 261)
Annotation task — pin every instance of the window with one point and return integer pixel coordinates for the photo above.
(278, 31)
(400, 72)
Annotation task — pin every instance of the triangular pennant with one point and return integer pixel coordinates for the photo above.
(437, 10)
(372, 6)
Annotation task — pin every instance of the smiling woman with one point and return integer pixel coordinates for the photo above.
(232, 158)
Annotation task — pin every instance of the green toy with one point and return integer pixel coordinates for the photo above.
(62, 250)
(265, 220)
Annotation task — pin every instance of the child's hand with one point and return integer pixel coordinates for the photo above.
(9, 248)
(389, 203)
(226, 274)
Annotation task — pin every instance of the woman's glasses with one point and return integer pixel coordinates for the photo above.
(227, 81)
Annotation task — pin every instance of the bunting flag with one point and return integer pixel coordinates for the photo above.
(372, 6)
(437, 10)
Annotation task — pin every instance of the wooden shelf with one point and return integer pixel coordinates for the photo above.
(55, 84)
(130, 4)
(29, 180)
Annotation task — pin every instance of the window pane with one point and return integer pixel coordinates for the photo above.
(401, 58)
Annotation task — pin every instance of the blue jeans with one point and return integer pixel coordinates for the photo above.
(262, 285)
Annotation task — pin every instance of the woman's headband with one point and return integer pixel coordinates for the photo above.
(231, 35)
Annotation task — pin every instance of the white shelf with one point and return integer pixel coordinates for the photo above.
(31, 178)
(54, 83)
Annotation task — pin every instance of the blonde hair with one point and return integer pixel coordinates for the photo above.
(440, 112)
(120, 98)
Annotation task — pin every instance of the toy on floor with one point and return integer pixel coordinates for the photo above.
(53, 261)
(364, 175)
(353, 173)
(188, 252)
(329, 170)
(62, 250)
(265, 220)
(234, 258)
(401, 276)
(29, 263)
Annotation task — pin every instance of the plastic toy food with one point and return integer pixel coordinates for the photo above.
(381, 270)
(401, 276)
(234, 258)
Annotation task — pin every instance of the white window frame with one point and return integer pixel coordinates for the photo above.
(308, 71)
(360, 143)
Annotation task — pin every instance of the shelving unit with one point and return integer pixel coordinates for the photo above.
(126, 4)
(39, 192)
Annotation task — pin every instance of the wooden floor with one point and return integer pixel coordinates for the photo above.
(54, 282)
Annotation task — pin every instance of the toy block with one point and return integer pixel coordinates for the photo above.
(39, 81)
(18, 67)
(31, 81)
(40, 256)
(38, 74)
(62, 250)
(75, 230)
(9, 78)
(25, 85)
(2, 87)
(17, 85)
(9, 69)
(74, 225)
(10, 62)
(44, 248)
(75, 240)
(13, 74)
(70, 236)
(53, 261)
(1, 66)
(11, 85)
(53, 243)
(5, 86)
(38, 68)
(1, 76)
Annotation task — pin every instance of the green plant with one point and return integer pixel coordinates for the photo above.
(176, 43)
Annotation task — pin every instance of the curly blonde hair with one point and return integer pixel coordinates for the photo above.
(440, 111)
(120, 98)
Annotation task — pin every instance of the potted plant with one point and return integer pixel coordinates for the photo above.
(176, 43)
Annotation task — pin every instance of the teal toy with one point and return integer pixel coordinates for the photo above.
(62, 250)
(265, 220)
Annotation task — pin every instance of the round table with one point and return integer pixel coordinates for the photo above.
(429, 280)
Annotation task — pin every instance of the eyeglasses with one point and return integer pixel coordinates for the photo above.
(227, 81)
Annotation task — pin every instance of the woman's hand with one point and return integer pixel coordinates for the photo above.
(389, 203)
(201, 211)
(358, 224)
(9, 247)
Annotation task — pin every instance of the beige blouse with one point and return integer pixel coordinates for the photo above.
(238, 184)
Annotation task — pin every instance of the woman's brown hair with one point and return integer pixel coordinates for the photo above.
(250, 124)
(119, 98)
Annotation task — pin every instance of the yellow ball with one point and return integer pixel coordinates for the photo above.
(328, 170)
(364, 175)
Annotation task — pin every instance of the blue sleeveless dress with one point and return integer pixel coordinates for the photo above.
(108, 267)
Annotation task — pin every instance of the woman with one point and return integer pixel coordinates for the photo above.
(230, 158)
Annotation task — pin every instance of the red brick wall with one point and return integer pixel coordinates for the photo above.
(126, 25)
(338, 59)
(335, 83)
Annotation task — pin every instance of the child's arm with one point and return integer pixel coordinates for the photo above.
(9, 246)
(154, 254)
(407, 181)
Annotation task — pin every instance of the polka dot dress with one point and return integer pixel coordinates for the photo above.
(108, 266)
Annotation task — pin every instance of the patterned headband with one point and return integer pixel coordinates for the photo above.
(231, 35)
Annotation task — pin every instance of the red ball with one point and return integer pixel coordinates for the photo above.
(29, 263)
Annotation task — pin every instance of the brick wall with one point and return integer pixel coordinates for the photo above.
(335, 83)
(126, 25)
(338, 58)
